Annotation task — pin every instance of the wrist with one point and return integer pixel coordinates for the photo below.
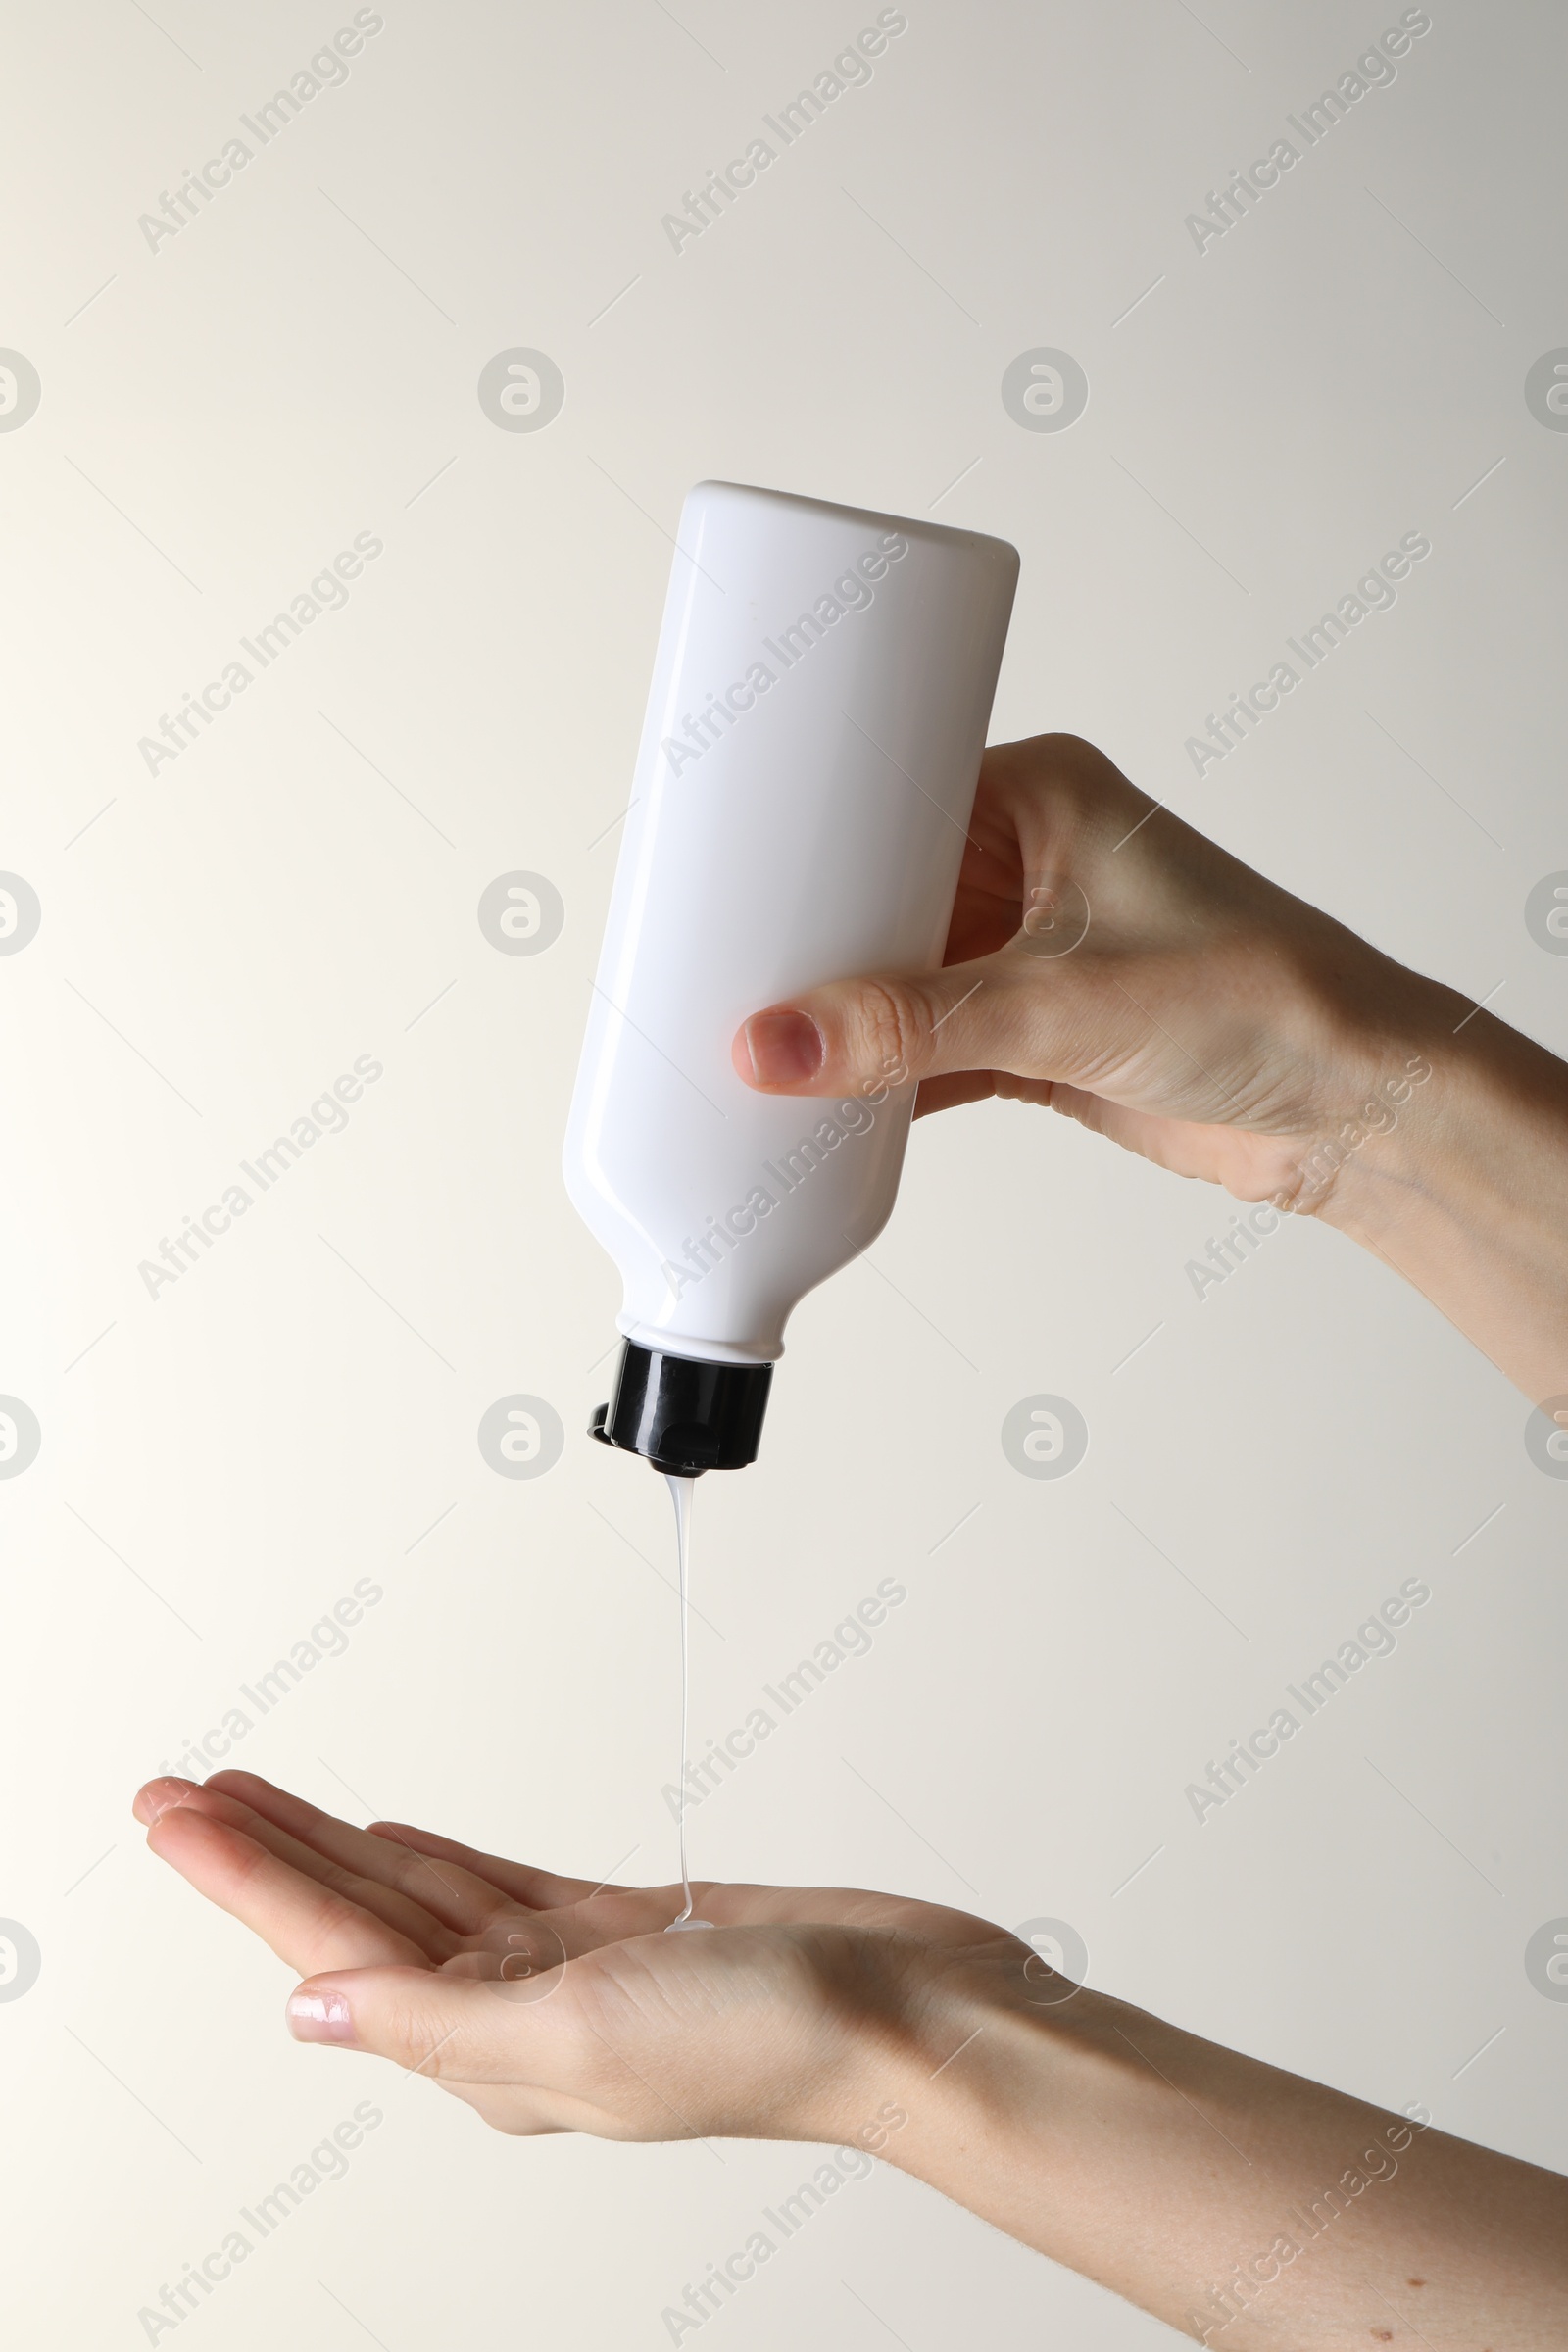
(1374, 1035)
(1444, 1106)
(990, 2057)
(1452, 1168)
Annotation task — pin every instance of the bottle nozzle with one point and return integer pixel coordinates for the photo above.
(682, 1414)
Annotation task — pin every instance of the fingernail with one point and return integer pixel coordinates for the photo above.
(159, 1797)
(784, 1046)
(319, 2017)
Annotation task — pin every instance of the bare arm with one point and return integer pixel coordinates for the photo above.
(1247, 2207)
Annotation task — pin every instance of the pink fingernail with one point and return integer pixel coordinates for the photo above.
(785, 1047)
(160, 1796)
(319, 2017)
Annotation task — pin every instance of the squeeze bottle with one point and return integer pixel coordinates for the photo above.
(806, 773)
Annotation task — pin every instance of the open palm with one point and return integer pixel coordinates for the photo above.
(552, 2004)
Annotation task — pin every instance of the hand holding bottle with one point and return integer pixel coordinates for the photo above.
(1107, 962)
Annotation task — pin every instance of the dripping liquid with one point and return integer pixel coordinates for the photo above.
(680, 1492)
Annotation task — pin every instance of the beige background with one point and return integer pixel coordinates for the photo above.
(219, 418)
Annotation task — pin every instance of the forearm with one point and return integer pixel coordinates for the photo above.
(1240, 2204)
(1466, 1193)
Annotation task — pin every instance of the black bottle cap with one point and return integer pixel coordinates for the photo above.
(684, 1415)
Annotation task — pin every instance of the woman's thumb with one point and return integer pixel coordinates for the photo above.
(889, 1026)
(451, 2028)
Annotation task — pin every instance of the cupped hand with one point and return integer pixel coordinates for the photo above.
(553, 2004)
(1109, 962)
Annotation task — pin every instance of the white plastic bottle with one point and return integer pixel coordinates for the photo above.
(819, 702)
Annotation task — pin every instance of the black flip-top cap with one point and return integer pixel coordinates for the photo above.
(682, 1414)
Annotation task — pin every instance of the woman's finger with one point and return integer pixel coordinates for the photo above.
(308, 1924)
(535, 1889)
(485, 1905)
(461, 1897)
(399, 1911)
(589, 1915)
